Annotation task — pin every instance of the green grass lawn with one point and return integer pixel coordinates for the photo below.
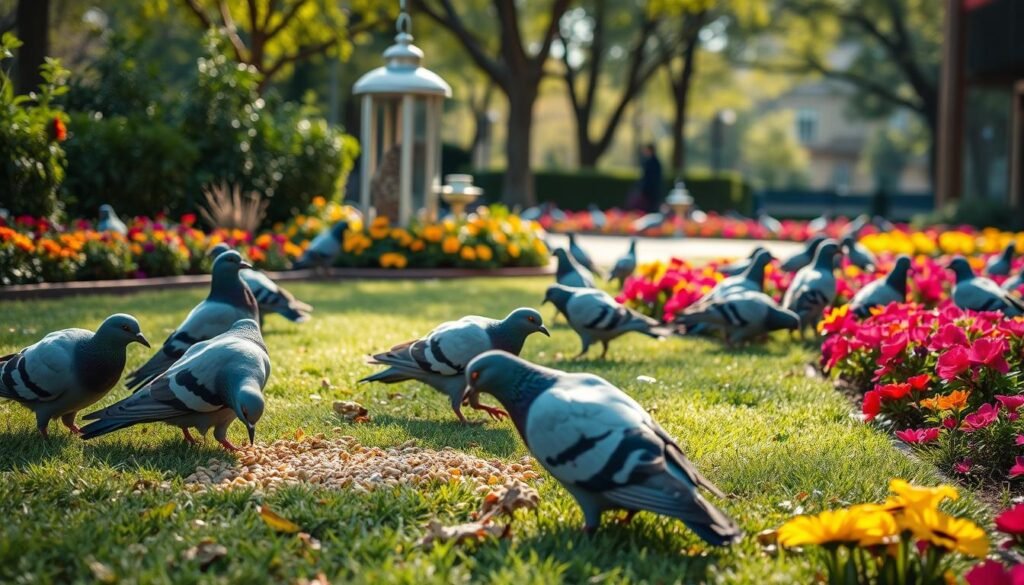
(750, 419)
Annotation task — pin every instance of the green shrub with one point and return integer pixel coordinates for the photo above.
(31, 130)
(577, 190)
(109, 257)
(137, 164)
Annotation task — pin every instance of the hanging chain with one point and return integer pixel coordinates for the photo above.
(404, 23)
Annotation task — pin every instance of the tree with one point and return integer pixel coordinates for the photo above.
(772, 155)
(33, 24)
(679, 70)
(274, 35)
(515, 68)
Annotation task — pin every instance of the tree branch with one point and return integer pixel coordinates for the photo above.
(232, 33)
(558, 9)
(451, 21)
(285, 19)
(200, 13)
(302, 54)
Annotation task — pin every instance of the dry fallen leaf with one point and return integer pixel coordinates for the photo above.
(352, 411)
(160, 512)
(205, 553)
(299, 434)
(325, 384)
(509, 498)
(276, 522)
(306, 539)
(461, 533)
(102, 572)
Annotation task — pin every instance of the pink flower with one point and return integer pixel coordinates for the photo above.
(1012, 520)
(918, 436)
(892, 392)
(1018, 467)
(949, 422)
(981, 418)
(990, 352)
(963, 467)
(1011, 402)
(894, 347)
(1019, 440)
(952, 363)
(920, 383)
(993, 573)
(949, 335)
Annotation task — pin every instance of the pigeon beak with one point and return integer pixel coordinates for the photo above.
(545, 301)
(252, 433)
(244, 264)
(544, 330)
(142, 339)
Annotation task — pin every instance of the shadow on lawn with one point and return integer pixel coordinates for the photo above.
(499, 441)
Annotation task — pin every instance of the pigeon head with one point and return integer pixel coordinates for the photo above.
(248, 405)
(824, 257)
(228, 264)
(897, 278)
(961, 268)
(756, 251)
(106, 211)
(218, 250)
(514, 381)
(338, 230)
(121, 329)
(558, 295)
(813, 243)
(1010, 250)
(522, 322)
(632, 245)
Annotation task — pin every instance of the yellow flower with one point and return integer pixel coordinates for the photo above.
(264, 241)
(833, 316)
(874, 525)
(468, 253)
(319, 201)
(433, 233)
(450, 245)
(499, 237)
(831, 526)
(393, 260)
(484, 253)
(513, 250)
(917, 497)
(401, 236)
(417, 245)
(955, 400)
(953, 534)
(540, 247)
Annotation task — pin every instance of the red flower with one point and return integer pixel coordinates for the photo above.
(918, 436)
(58, 130)
(920, 383)
(1018, 467)
(981, 418)
(952, 363)
(1011, 402)
(1019, 440)
(894, 391)
(990, 352)
(189, 219)
(872, 404)
(963, 467)
(993, 573)
(1011, 521)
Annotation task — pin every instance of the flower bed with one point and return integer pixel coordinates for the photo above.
(35, 250)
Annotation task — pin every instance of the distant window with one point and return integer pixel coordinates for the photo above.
(841, 177)
(807, 125)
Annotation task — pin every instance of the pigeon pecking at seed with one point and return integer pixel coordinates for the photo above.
(215, 382)
(600, 444)
(229, 300)
(439, 359)
(68, 370)
(740, 316)
(570, 273)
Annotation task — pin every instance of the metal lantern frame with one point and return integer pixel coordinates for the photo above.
(402, 104)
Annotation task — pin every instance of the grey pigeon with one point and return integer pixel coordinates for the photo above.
(439, 359)
(891, 288)
(852, 229)
(270, 297)
(739, 316)
(229, 300)
(1014, 282)
(734, 268)
(859, 256)
(1002, 264)
(324, 248)
(595, 316)
(625, 266)
(109, 222)
(751, 279)
(601, 445)
(977, 293)
(648, 221)
(804, 257)
(216, 381)
(769, 223)
(597, 217)
(814, 287)
(883, 224)
(68, 370)
(570, 273)
(580, 256)
(532, 213)
(819, 223)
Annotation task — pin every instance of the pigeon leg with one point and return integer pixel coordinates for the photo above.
(496, 413)
(604, 352)
(69, 421)
(43, 424)
(227, 445)
(188, 436)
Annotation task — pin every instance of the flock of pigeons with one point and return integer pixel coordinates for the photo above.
(599, 443)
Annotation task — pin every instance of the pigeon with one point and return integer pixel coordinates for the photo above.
(601, 445)
(533, 213)
(439, 359)
(595, 316)
(270, 297)
(977, 293)
(1002, 264)
(597, 217)
(625, 266)
(109, 222)
(769, 223)
(570, 273)
(814, 286)
(68, 370)
(804, 257)
(883, 225)
(229, 300)
(740, 316)
(580, 256)
(859, 256)
(324, 248)
(751, 279)
(646, 222)
(216, 381)
(740, 265)
(891, 288)
(820, 223)
(1014, 282)
(852, 229)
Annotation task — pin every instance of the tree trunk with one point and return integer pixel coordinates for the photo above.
(681, 93)
(33, 17)
(518, 184)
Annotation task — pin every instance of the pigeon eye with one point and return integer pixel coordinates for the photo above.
(531, 319)
(125, 327)
(475, 376)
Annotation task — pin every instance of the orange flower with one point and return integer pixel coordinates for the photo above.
(484, 253)
(955, 401)
(433, 233)
(59, 130)
(468, 253)
(450, 245)
(514, 251)
(417, 246)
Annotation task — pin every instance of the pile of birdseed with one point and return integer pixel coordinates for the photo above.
(344, 463)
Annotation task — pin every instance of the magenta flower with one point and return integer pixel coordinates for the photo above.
(981, 418)
(918, 436)
(1018, 467)
(993, 573)
(952, 363)
(1011, 402)
(963, 467)
(949, 335)
(990, 352)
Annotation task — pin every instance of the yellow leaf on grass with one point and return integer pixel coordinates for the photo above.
(299, 434)
(276, 522)
(160, 512)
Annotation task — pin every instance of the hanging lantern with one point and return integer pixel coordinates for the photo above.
(401, 132)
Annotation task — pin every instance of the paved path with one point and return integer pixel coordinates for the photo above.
(606, 249)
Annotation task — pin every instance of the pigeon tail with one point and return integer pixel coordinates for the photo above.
(102, 427)
(391, 375)
(147, 372)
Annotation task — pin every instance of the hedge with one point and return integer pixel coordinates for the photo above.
(577, 190)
